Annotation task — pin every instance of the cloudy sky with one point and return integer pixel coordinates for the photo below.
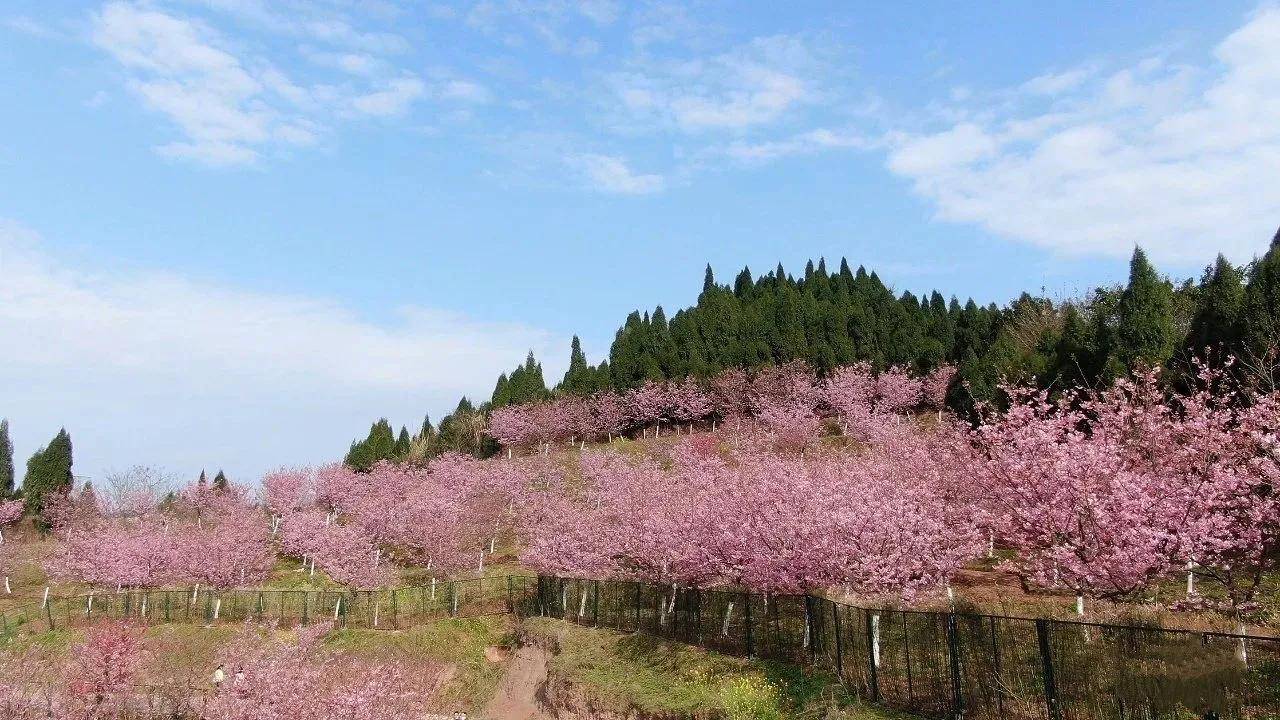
(233, 232)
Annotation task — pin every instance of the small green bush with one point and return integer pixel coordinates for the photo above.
(750, 697)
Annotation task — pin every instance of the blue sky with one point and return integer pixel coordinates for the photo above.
(232, 232)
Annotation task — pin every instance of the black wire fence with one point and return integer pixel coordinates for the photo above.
(942, 665)
(950, 664)
(388, 609)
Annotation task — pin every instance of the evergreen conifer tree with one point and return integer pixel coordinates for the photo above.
(401, 448)
(219, 481)
(48, 474)
(1146, 333)
(1217, 319)
(6, 461)
(579, 378)
(1260, 317)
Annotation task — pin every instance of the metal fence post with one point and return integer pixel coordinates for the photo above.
(595, 604)
(873, 677)
(453, 598)
(995, 658)
(637, 607)
(750, 641)
(1046, 661)
(511, 608)
(835, 623)
(48, 612)
(953, 653)
(697, 614)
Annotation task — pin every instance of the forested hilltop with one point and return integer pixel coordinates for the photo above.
(831, 318)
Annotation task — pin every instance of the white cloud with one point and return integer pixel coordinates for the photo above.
(394, 99)
(317, 21)
(1055, 83)
(753, 85)
(560, 24)
(1179, 158)
(463, 91)
(28, 26)
(805, 143)
(224, 109)
(160, 369)
(232, 107)
(612, 175)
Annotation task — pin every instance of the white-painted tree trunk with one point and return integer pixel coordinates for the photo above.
(195, 592)
(7, 590)
(493, 541)
(991, 544)
(217, 608)
(455, 603)
(480, 569)
(728, 613)
(951, 594)
(582, 604)
(1191, 578)
(875, 639)
(433, 589)
(1243, 651)
(45, 603)
(1080, 613)
(144, 606)
(337, 608)
(88, 606)
(508, 453)
(376, 606)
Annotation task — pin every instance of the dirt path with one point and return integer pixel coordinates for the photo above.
(515, 697)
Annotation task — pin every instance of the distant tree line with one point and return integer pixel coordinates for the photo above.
(833, 318)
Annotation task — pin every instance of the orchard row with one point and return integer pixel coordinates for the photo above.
(1096, 493)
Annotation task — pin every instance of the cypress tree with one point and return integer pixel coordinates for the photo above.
(1217, 318)
(1146, 333)
(378, 446)
(501, 392)
(1260, 316)
(48, 474)
(219, 481)
(401, 449)
(426, 430)
(6, 461)
(578, 379)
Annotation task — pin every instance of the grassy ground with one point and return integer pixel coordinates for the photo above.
(186, 655)
(468, 645)
(634, 672)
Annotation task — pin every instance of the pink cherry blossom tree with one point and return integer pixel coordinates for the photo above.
(1104, 493)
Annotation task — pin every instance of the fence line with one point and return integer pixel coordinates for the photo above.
(389, 609)
(942, 665)
(951, 665)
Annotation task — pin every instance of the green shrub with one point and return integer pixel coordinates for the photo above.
(750, 697)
